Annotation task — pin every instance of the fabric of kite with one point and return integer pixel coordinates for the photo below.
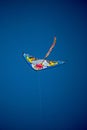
(40, 64)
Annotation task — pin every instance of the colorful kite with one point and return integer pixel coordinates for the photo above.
(39, 64)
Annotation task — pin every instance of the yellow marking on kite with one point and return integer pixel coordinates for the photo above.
(30, 59)
(51, 63)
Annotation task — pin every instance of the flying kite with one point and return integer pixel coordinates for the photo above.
(40, 64)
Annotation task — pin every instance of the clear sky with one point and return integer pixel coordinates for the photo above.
(53, 99)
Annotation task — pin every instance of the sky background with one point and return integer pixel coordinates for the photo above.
(52, 99)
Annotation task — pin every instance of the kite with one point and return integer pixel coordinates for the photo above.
(40, 64)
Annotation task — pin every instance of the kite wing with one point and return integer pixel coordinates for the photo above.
(40, 64)
(29, 58)
(52, 46)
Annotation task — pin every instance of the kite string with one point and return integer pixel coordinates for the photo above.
(39, 93)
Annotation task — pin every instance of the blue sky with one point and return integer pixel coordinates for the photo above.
(51, 99)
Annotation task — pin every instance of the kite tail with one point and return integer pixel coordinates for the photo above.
(52, 46)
